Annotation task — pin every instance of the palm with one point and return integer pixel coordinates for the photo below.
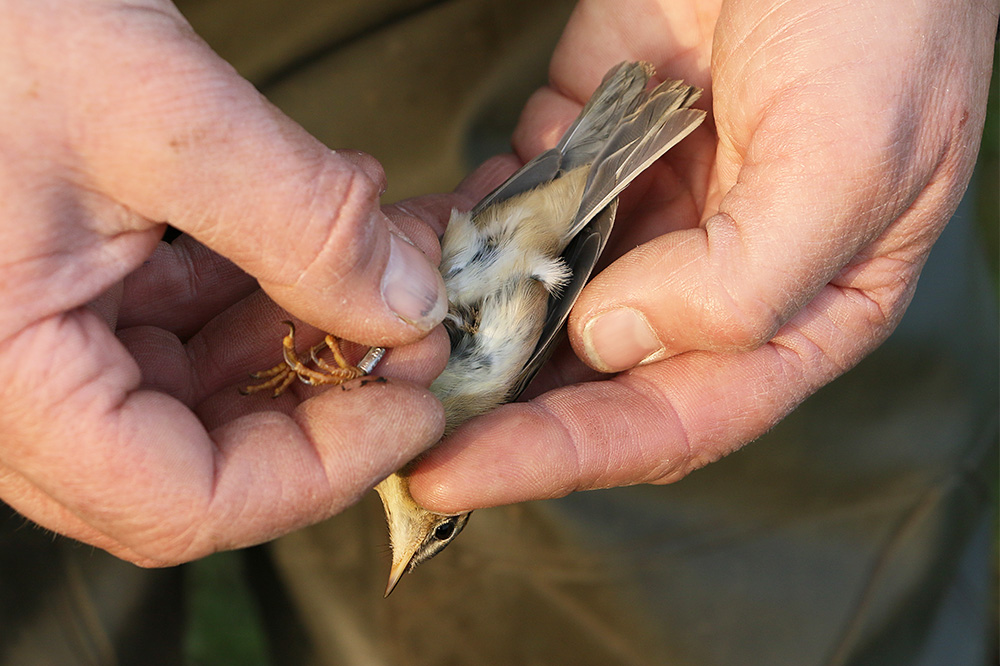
(773, 129)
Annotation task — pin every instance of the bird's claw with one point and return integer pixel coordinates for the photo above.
(281, 376)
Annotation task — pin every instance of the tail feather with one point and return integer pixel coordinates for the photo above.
(661, 120)
(621, 130)
(618, 96)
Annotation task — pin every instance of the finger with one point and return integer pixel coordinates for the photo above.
(145, 481)
(182, 286)
(487, 177)
(429, 214)
(676, 38)
(418, 364)
(245, 339)
(653, 424)
(369, 165)
(178, 136)
(423, 220)
(562, 369)
(784, 229)
(248, 338)
(546, 116)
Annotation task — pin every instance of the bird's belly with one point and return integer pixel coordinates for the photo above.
(490, 349)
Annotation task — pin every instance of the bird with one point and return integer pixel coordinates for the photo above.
(513, 267)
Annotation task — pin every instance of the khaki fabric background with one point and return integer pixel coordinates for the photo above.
(429, 88)
(857, 532)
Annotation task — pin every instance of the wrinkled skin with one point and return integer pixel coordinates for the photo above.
(800, 221)
(121, 422)
(844, 137)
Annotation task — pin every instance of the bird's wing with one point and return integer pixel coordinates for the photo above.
(540, 170)
(581, 256)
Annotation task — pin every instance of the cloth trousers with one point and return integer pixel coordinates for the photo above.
(858, 531)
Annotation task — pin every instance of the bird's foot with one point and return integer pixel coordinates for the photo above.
(281, 376)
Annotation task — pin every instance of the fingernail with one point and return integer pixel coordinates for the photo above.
(411, 287)
(620, 339)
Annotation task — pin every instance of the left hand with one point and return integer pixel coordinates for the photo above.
(764, 256)
(120, 423)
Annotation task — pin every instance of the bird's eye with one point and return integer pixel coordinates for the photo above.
(445, 530)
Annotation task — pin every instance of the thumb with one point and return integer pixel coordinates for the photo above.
(802, 188)
(177, 136)
(805, 204)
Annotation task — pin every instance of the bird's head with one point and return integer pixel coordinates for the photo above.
(416, 534)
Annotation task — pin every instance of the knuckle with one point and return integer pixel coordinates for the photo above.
(336, 214)
(148, 562)
(167, 548)
(737, 324)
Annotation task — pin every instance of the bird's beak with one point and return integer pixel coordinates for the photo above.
(396, 573)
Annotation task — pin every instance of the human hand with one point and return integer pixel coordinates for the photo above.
(762, 257)
(117, 120)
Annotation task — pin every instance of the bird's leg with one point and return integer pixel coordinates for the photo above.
(281, 376)
(343, 368)
(327, 374)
